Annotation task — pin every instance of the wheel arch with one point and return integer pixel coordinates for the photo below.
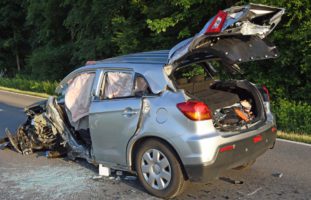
(137, 143)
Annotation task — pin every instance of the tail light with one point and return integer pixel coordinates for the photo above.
(227, 148)
(195, 110)
(257, 139)
(265, 89)
(217, 23)
(274, 129)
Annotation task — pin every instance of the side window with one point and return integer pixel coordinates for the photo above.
(141, 86)
(78, 95)
(117, 85)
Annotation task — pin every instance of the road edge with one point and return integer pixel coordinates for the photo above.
(25, 93)
(294, 142)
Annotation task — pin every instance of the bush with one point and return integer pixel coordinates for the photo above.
(293, 116)
(47, 87)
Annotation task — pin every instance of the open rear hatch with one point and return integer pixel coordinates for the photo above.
(234, 35)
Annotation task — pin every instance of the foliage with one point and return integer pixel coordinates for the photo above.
(47, 87)
(13, 36)
(191, 71)
(293, 116)
(295, 137)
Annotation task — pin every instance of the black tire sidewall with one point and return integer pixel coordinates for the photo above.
(177, 180)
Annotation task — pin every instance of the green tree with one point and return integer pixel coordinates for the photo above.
(13, 35)
(50, 40)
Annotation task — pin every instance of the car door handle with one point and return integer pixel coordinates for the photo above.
(128, 112)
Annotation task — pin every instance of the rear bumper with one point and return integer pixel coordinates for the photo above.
(245, 151)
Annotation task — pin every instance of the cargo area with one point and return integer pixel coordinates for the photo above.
(236, 105)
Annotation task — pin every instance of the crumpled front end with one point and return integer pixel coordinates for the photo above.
(36, 133)
(46, 130)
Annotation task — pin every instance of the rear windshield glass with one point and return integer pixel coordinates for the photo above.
(197, 72)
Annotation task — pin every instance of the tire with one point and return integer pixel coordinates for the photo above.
(154, 162)
(245, 166)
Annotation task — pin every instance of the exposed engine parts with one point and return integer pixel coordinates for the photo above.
(35, 134)
(45, 129)
(236, 117)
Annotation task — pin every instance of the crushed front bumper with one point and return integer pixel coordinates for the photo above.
(245, 151)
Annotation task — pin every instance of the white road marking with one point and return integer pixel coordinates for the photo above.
(22, 94)
(293, 142)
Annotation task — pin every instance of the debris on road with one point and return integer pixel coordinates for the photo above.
(229, 180)
(278, 175)
(119, 173)
(97, 177)
(130, 178)
(54, 154)
(104, 171)
(255, 191)
(3, 145)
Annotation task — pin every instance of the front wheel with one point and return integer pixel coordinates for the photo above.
(158, 169)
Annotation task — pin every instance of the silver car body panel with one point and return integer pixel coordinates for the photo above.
(195, 142)
(112, 124)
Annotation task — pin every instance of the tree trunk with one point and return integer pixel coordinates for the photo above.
(18, 63)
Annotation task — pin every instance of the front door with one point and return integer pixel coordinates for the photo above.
(114, 117)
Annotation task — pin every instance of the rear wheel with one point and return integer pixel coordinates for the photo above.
(158, 169)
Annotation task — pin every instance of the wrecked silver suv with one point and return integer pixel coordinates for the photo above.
(161, 114)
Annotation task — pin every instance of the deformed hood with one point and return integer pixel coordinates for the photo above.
(233, 35)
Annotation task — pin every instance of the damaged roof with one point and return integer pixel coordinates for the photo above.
(149, 57)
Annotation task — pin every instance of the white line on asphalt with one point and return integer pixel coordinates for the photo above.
(22, 94)
(293, 142)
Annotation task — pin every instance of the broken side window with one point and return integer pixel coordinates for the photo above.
(141, 86)
(118, 85)
(78, 95)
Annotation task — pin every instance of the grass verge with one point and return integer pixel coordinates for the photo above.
(295, 137)
(37, 94)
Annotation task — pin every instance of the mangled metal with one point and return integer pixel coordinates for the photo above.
(253, 22)
(37, 133)
(47, 130)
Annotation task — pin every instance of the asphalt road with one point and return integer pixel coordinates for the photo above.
(282, 173)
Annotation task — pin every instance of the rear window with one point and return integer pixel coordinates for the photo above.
(186, 76)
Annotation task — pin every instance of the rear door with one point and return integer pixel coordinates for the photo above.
(114, 116)
(234, 35)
